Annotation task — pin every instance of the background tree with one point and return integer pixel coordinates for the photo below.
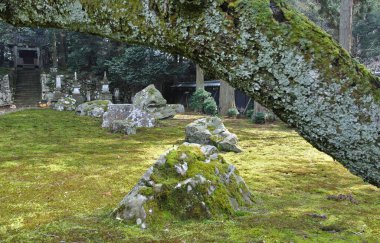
(345, 25)
(226, 97)
(200, 78)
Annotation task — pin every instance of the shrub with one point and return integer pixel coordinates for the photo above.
(232, 112)
(198, 98)
(249, 114)
(270, 117)
(210, 107)
(259, 118)
(202, 101)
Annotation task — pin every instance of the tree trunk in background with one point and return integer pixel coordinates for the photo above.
(62, 61)
(345, 26)
(54, 50)
(200, 79)
(265, 48)
(226, 97)
(2, 49)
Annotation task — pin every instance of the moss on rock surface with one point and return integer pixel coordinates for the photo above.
(187, 182)
(262, 47)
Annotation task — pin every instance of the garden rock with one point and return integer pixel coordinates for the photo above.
(123, 126)
(94, 108)
(151, 100)
(191, 181)
(65, 104)
(212, 131)
(149, 97)
(129, 113)
(116, 112)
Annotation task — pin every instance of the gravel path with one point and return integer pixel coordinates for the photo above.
(4, 111)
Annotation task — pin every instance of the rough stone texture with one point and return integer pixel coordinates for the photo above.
(129, 113)
(65, 104)
(5, 91)
(167, 111)
(116, 112)
(261, 47)
(94, 108)
(212, 131)
(123, 126)
(188, 182)
(150, 97)
(151, 100)
(46, 86)
(140, 118)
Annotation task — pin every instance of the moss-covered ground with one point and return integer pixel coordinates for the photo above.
(61, 175)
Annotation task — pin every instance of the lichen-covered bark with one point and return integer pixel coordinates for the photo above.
(263, 47)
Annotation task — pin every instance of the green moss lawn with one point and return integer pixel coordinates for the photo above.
(61, 175)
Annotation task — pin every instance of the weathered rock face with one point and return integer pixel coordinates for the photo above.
(128, 113)
(65, 104)
(151, 100)
(212, 131)
(149, 97)
(116, 112)
(123, 126)
(166, 111)
(5, 91)
(94, 108)
(140, 118)
(187, 182)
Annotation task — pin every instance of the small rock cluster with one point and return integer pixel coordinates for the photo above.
(148, 106)
(212, 131)
(94, 108)
(191, 181)
(65, 104)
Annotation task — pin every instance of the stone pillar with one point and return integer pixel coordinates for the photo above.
(105, 92)
(5, 91)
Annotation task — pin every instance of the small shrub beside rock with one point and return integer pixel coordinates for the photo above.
(202, 101)
(232, 113)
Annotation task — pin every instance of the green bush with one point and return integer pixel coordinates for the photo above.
(259, 118)
(210, 107)
(249, 114)
(198, 98)
(202, 101)
(232, 112)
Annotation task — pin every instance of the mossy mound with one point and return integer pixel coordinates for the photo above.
(94, 108)
(191, 181)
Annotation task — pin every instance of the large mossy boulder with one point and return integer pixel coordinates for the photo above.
(151, 101)
(94, 108)
(191, 181)
(211, 130)
(148, 98)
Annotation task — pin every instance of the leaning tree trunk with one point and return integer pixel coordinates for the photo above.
(226, 97)
(262, 47)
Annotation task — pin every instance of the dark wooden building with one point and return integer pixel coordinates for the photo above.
(180, 93)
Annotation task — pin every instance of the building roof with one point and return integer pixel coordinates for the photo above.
(377, 73)
(209, 83)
